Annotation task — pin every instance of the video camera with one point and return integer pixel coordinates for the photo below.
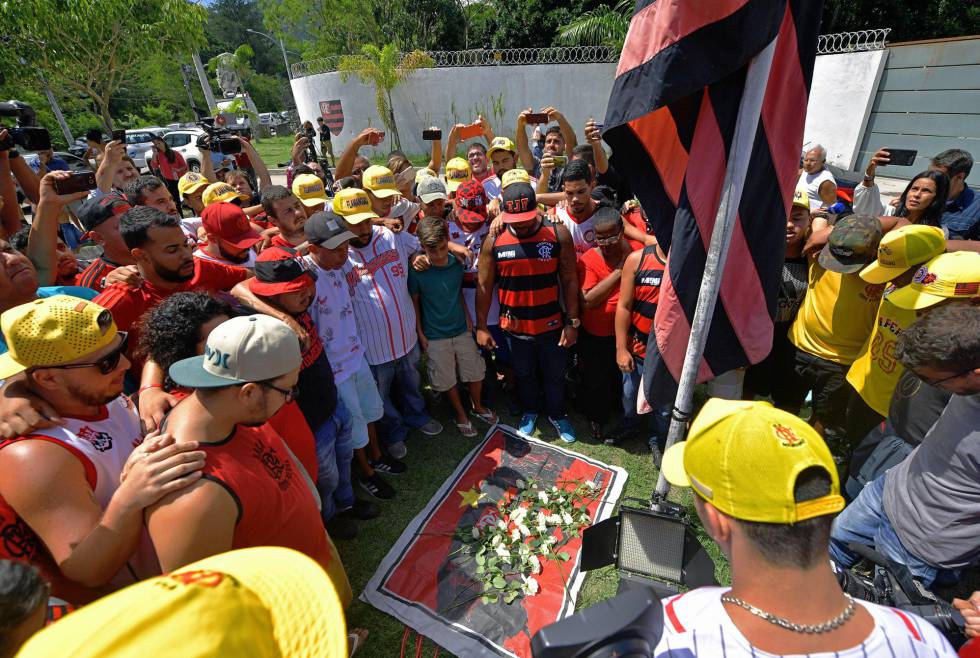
(217, 138)
(892, 584)
(24, 134)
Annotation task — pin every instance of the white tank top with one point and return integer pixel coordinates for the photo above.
(103, 444)
(813, 183)
(583, 233)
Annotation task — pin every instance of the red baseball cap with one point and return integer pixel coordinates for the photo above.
(279, 270)
(471, 202)
(230, 224)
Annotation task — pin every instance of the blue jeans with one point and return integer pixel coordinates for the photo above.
(403, 376)
(659, 417)
(864, 521)
(334, 452)
(540, 359)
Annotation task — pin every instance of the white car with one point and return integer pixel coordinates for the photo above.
(184, 141)
(137, 142)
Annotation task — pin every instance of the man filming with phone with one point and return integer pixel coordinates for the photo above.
(784, 598)
(559, 141)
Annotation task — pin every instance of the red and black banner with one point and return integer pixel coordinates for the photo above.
(333, 116)
(670, 122)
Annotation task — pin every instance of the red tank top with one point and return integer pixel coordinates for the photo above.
(275, 504)
(527, 279)
(646, 293)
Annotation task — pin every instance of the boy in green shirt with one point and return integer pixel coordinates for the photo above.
(443, 326)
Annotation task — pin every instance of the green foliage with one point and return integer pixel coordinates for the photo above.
(92, 47)
(228, 25)
(909, 21)
(422, 25)
(533, 23)
(480, 24)
(385, 68)
(321, 28)
(602, 26)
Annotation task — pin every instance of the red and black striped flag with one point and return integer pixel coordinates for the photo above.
(670, 122)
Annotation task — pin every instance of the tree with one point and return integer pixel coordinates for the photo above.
(908, 20)
(321, 28)
(423, 25)
(602, 26)
(533, 23)
(239, 61)
(386, 68)
(93, 47)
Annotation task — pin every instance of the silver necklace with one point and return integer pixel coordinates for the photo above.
(782, 622)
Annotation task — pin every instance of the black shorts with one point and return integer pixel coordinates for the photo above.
(831, 392)
(776, 377)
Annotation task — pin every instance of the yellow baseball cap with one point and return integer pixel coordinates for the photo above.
(353, 205)
(501, 144)
(266, 601)
(379, 181)
(948, 276)
(904, 248)
(457, 173)
(191, 182)
(744, 457)
(515, 176)
(801, 198)
(309, 189)
(52, 332)
(219, 191)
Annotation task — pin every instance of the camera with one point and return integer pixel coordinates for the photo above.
(892, 584)
(24, 133)
(218, 138)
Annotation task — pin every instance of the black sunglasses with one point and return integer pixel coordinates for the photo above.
(106, 364)
(289, 393)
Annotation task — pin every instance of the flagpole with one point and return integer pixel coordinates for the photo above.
(749, 109)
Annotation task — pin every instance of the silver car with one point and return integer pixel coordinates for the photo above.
(138, 141)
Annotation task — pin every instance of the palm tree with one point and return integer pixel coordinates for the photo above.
(602, 26)
(386, 68)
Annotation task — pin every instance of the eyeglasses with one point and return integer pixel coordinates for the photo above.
(937, 382)
(289, 393)
(106, 364)
(613, 239)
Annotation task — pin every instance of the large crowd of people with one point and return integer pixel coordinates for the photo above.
(224, 363)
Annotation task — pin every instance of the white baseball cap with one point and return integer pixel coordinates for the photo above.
(246, 349)
(430, 189)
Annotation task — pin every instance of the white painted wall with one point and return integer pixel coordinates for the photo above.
(841, 95)
(843, 91)
(445, 96)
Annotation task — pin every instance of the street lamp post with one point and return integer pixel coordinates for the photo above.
(282, 47)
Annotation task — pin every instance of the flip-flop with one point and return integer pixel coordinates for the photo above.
(466, 429)
(489, 418)
(355, 639)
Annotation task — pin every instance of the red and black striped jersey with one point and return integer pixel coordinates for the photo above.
(527, 280)
(646, 292)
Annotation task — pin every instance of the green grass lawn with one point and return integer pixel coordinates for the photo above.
(276, 150)
(430, 461)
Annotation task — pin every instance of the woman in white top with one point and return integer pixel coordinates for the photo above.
(922, 202)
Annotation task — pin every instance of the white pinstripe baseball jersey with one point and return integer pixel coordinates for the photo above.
(474, 242)
(332, 311)
(378, 280)
(583, 233)
(696, 624)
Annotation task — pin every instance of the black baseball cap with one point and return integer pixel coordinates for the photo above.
(327, 229)
(94, 212)
(518, 203)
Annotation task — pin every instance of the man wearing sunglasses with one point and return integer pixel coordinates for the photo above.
(254, 491)
(72, 496)
(925, 511)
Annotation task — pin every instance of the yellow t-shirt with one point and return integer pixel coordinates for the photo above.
(876, 371)
(837, 315)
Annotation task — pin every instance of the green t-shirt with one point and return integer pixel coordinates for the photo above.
(442, 307)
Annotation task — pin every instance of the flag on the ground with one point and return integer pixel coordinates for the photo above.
(670, 123)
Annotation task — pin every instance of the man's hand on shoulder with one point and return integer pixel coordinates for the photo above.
(22, 412)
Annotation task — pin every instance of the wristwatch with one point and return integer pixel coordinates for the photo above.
(574, 323)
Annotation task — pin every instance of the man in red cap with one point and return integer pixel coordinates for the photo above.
(230, 236)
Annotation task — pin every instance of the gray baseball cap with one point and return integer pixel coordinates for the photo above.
(430, 189)
(327, 229)
(246, 349)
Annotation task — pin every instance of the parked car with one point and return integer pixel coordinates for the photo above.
(137, 142)
(75, 164)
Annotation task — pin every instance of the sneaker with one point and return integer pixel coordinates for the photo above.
(431, 428)
(398, 450)
(341, 527)
(377, 487)
(361, 510)
(526, 426)
(388, 465)
(564, 428)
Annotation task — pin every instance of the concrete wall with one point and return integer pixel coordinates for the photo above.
(841, 97)
(445, 96)
(928, 100)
